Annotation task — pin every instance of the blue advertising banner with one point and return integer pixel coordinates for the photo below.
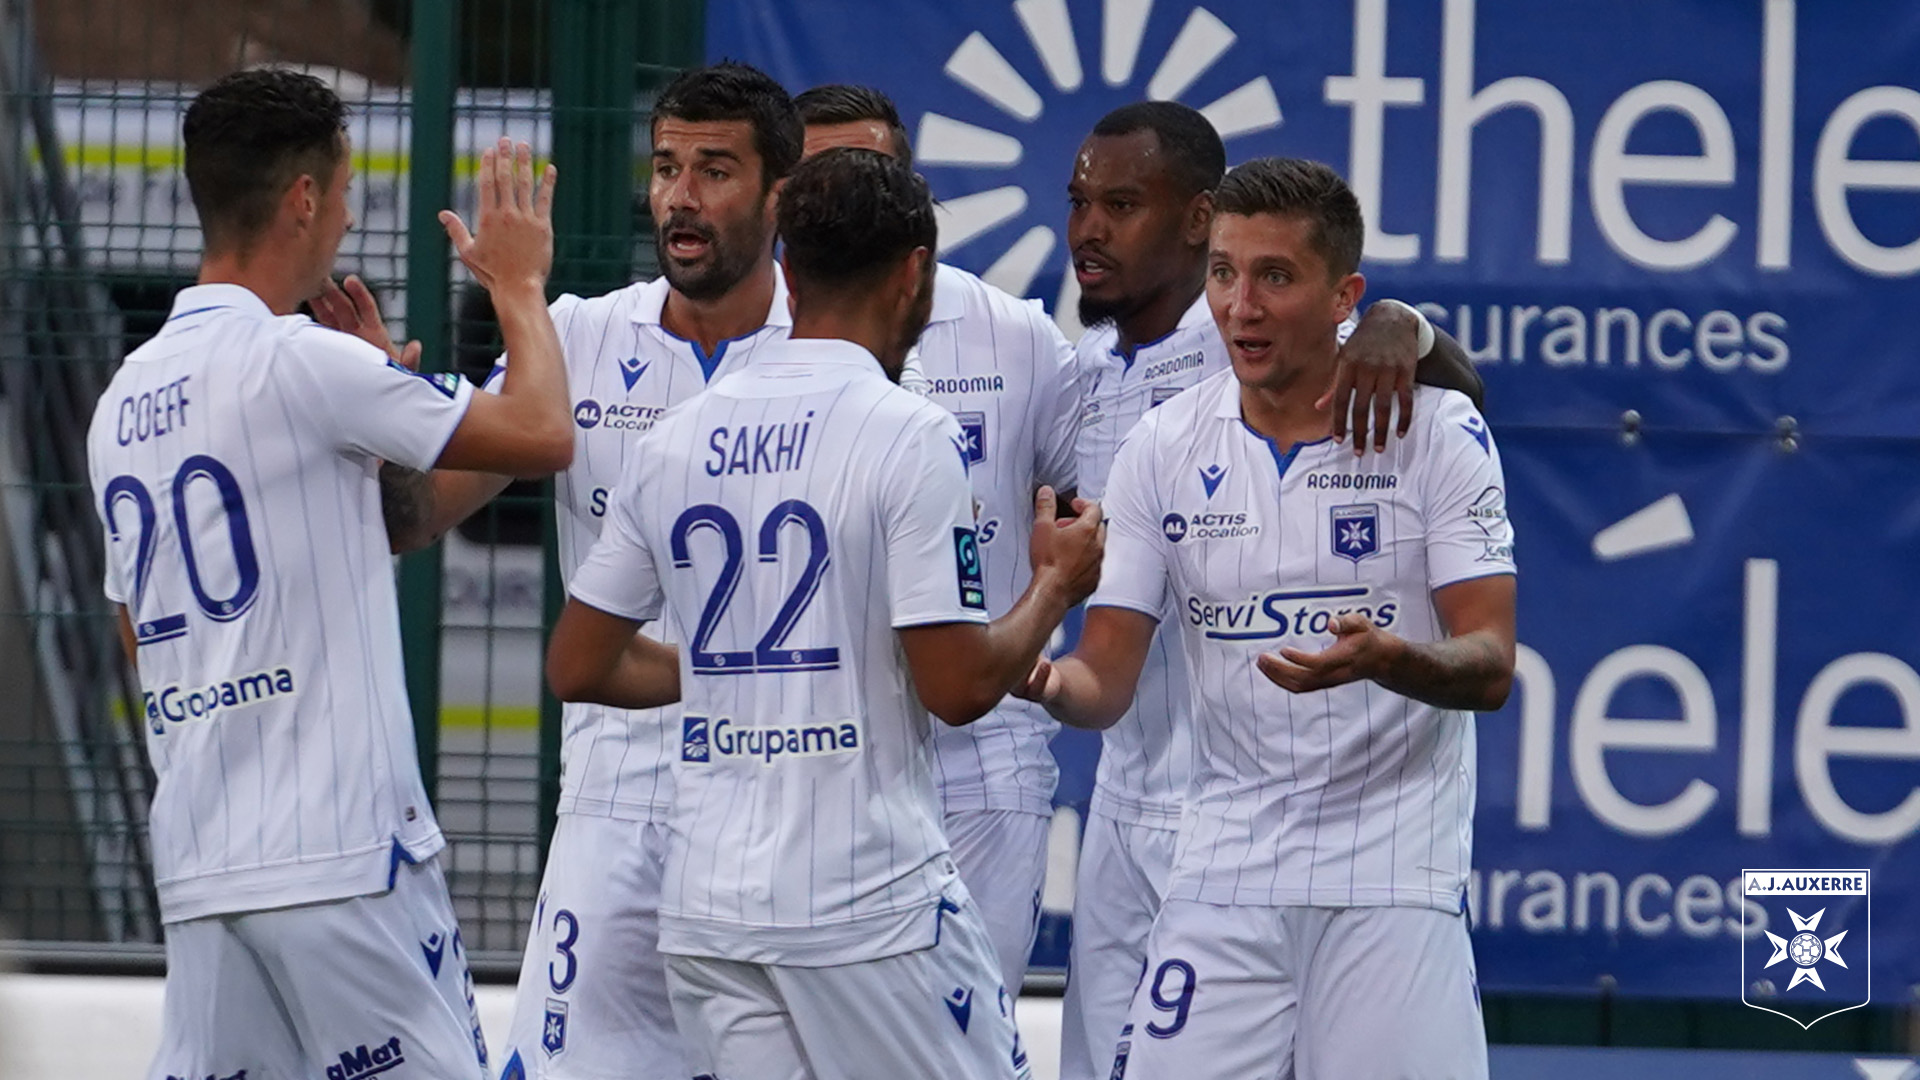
(1681, 240)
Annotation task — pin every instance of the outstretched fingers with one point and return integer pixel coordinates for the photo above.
(523, 179)
(543, 201)
(456, 231)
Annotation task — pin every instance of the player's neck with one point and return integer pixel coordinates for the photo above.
(1282, 409)
(865, 325)
(738, 312)
(276, 284)
(1158, 317)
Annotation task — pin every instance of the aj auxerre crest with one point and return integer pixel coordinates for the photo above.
(1815, 950)
(1356, 531)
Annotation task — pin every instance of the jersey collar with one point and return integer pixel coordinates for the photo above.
(949, 303)
(1197, 316)
(195, 299)
(821, 354)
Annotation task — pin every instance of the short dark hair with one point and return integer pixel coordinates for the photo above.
(845, 103)
(1299, 188)
(847, 216)
(1196, 157)
(734, 91)
(248, 137)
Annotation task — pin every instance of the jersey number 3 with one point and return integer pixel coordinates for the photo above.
(770, 653)
(200, 467)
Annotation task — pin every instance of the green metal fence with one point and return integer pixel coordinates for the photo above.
(96, 233)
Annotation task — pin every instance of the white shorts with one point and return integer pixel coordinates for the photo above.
(1278, 993)
(1002, 857)
(368, 986)
(1123, 878)
(592, 1000)
(935, 1012)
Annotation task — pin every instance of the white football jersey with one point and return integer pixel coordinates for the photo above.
(234, 461)
(1353, 796)
(1000, 366)
(1142, 775)
(794, 516)
(624, 370)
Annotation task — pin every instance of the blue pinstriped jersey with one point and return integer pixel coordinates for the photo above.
(1000, 366)
(1343, 797)
(234, 462)
(790, 520)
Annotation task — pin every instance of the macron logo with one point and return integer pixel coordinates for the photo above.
(1210, 478)
(631, 370)
(363, 1061)
(960, 1004)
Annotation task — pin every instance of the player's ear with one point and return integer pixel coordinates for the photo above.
(910, 276)
(1199, 219)
(302, 200)
(1347, 293)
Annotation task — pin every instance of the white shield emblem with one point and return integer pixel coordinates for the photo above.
(553, 1031)
(1812, 957)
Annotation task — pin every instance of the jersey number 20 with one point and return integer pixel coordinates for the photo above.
(125, 489)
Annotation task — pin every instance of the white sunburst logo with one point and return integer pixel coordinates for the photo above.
(982, 68)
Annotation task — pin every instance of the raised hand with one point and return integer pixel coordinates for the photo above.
(350, 308)
(1070, 549)
(514, 247)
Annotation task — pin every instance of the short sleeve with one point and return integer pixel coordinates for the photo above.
(1465, 496)
(934, 570)
(1134, 574)
(619, 575)
(1057, 427)
(367, 403)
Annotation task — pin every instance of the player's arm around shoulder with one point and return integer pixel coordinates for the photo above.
(1470, 568)
(1391, 348)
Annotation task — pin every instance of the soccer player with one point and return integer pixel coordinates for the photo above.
(233, 457)
(813, 522)
(1139, 212)
(592, 999)
(1341, 616)
(1001, 366)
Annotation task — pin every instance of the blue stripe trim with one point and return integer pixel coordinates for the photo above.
(1281, 459)
(400, 855)
(709, 364)
(1319, 594)
(197, 311)
(1127, 356)
(165, 628)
